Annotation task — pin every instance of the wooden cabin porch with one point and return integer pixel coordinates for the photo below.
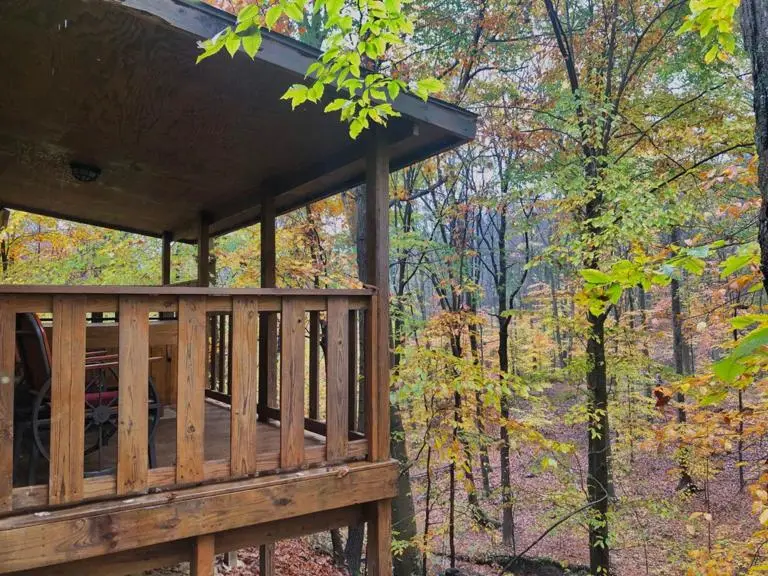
(208, 444)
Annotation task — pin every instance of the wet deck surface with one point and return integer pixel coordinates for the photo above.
(217, 444)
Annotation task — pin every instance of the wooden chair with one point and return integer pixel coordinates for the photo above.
(32, 411)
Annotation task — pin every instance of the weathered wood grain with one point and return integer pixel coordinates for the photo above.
(112, 527)
(377, 340)
(133, 382)
(203, 556)
(337, 385)
(268, 322)
(379, 516)
(190, 409)
(65, 482)
(245, 371)
(292, 384)
(147, 558)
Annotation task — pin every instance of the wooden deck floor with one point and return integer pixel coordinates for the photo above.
(217, 439)
(217, 443)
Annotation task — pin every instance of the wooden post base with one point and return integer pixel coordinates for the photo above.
(379, 560)
(203, 556)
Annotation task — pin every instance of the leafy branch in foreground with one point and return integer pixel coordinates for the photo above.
(714, 21)
(359, 34)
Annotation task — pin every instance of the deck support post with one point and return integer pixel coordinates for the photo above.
(267, 320)
(267, 345)
(203, 556)
(267, 559)
(379, 514)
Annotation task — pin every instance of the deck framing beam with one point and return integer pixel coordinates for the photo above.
(171, 553)
(88, 531)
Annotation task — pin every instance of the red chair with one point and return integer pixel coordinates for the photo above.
(33, 397)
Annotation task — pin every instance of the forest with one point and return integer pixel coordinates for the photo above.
(579, 334)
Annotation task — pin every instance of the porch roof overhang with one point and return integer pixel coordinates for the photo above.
(113, 83)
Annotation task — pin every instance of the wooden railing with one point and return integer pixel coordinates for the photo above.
(144, 327)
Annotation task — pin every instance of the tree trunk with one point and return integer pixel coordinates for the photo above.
(403, 510)
(337, 545)
(507, 515)
(427, 512)
(485, 463)
(679, 352)
(754, 26)
(598, 434)
(560, 353)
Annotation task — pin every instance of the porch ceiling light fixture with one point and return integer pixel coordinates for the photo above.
(84, 172)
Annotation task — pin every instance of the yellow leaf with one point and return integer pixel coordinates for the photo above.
(764, 517)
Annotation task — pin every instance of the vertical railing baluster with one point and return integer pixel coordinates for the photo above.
(337, 385)
(133, 390)
(190, 390)
(244, 385)
(292, 383)
(65, 481)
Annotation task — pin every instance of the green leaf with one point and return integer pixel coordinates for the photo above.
(732, 366)
(297, 94)
(430, 85)
(728, 369)
(315, 93)
(248, 13)
(614, 292)
(294, 11)
(746, 320)
(355, 127)
(393, 88)
(233, 43)
(273, 15)
(595, 276)
(210, 47)
(711, 54)
(252, 43)
(337, 104)
(736, 262)
(334, 7)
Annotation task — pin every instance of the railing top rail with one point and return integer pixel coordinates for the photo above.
(30, 289)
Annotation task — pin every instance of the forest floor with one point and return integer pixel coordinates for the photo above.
(654, 529)
(653, 525)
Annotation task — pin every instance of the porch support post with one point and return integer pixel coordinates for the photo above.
(203, 251)
(165, 255)
(267, 320)
(379, 514)
(267, 345)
